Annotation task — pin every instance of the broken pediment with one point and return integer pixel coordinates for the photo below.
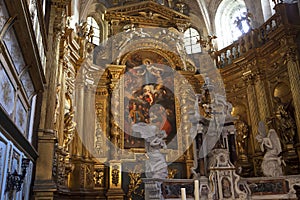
(147, 13)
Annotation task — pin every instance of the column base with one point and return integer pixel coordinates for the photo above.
(115, 194)
(291, 159)
(44, 190)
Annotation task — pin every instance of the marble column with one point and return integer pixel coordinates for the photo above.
(89, 120)
(79, 104)
(76, 182)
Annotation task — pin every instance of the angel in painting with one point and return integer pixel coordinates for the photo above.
(271, 164)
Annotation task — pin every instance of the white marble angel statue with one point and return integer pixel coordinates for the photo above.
(156, 165)
(271, 164)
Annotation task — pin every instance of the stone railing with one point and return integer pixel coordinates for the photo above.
(282, 187)
(253, 39)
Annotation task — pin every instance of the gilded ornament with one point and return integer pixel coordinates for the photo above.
(115, 175)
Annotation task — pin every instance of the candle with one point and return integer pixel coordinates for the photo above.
(183, 196)
(196, 189)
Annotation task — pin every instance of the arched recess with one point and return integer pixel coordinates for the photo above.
(283, 92)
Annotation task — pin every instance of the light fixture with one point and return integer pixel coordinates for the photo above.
(15, 180)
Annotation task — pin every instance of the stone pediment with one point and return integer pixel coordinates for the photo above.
(147, 13)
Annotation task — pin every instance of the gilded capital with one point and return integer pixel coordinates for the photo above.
(248, 77)
(291, 55)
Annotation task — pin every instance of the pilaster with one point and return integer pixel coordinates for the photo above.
(117, 112)
(115, 191)
(44, 185)
(249, 78)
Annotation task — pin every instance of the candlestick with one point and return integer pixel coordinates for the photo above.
(196, 189)
(183, 196)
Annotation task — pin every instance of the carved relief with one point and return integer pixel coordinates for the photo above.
(89, 176)
(285, 124)
(135, 181)
(115, 175)
(172, 173)
(61, 166)
(242, 134)
(99, 176)
(69, 123)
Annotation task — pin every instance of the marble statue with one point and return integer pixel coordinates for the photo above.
(271, 164)
(156, 165)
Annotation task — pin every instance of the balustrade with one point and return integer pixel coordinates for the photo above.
(253, 39)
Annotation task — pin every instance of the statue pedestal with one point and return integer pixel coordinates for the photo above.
(153, 189)
(222, 177)
(244, 167)
(291, 160)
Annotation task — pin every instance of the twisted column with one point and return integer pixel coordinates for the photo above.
(292, 62)
(253, 109)
(263, 105)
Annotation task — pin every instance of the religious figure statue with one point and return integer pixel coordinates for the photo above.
(156, 165)
(244, 19)
(90, 34)
(241, 135)
(271, 164)
(57, 103)
(69, 124)
(285, 123)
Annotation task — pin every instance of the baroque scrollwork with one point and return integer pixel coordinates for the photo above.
(135, 181)
(99, 180)
(171, 173)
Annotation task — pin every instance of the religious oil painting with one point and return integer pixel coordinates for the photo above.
(149, 97)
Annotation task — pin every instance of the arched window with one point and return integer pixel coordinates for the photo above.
(96, 29)
(191, 36)
(232, 20)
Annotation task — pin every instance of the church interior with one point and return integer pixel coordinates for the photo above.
(149, 99)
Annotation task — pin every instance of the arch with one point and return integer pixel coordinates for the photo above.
(93, 24)
(169, 60)
(226, 14)
(191, 37)
(96, 10)
(204, 11)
